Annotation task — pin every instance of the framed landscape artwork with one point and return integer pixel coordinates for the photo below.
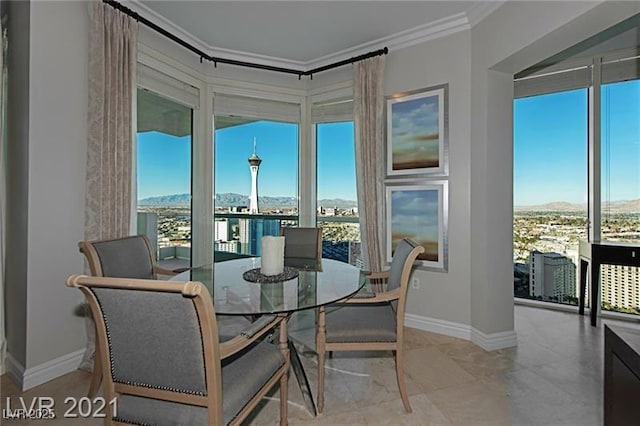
(417, 132)
(419, 211)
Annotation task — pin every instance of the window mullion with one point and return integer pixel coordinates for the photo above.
(595, 163)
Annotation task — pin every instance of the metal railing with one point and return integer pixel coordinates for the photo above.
(240, 235)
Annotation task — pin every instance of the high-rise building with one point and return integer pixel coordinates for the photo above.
(254, 164)
(620, 286)
(552, 275)
(251, 232)
(221, 230)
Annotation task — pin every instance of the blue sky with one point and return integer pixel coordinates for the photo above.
(336, 161)
(550, 153)
(164, 164)
(550, 146)
(276, 145)
(164, 161)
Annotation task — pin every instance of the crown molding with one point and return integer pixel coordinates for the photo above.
(482, 9)
(440, 28)
(432, 30)
(170, 26)
(236, 55)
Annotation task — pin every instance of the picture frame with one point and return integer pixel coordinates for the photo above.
(417, 127)
(419, 211)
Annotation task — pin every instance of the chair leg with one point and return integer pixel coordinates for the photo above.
(284, 397)
(96, 376)
(400, 375)
(320, 348)
(284, 380)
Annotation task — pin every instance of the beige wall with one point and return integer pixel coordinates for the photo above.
(445, 296)
(57, 154)
(517, 35)
(17, 180)
(477, 292)
(47, 134)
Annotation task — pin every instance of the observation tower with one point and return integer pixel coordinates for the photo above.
(254, 164)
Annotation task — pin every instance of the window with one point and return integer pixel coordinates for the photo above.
(620, 159)
(164, 144)
(255, 172)
(337, 205)
(620, 189)
(550, 170)
(550, 193)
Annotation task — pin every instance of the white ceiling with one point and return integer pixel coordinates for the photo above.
(307, 34)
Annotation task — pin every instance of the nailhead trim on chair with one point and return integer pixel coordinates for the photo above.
(129, 422)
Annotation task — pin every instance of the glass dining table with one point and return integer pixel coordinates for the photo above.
(317, 283)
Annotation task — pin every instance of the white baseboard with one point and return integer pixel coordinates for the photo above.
(3, 355)
(494, 341)
(34, 376)
(488, 342)
(14, 369)
(448, 328)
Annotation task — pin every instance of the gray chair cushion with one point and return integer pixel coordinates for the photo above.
(400, 256)
(301, 242)
(242, 378)
(361, 323)
(125, 258)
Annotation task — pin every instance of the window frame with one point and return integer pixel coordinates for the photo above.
(608, 68)
(611, 67)
(169, 88)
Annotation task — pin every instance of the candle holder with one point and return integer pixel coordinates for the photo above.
(256, 276)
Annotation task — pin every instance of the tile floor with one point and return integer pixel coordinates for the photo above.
(553, 377)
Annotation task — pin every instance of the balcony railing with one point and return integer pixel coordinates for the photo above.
(239, 235)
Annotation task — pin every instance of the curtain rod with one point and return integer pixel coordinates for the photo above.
(217, 60)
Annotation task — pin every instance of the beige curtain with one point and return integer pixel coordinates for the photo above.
(112, 70)
(112, 63)
(368, 111)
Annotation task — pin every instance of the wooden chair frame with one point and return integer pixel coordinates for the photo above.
(214, 351)
(378, 282)
(88, 249)
(95, 265)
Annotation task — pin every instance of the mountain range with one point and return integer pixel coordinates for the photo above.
(622, 206)
(230, 199)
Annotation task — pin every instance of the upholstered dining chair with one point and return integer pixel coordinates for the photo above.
(162, 362)
(302, 243)
(372, 323)
(125, 257)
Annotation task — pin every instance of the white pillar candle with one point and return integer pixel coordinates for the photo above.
(272, 262)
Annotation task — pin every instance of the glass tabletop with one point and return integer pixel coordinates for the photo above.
(318, 283)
